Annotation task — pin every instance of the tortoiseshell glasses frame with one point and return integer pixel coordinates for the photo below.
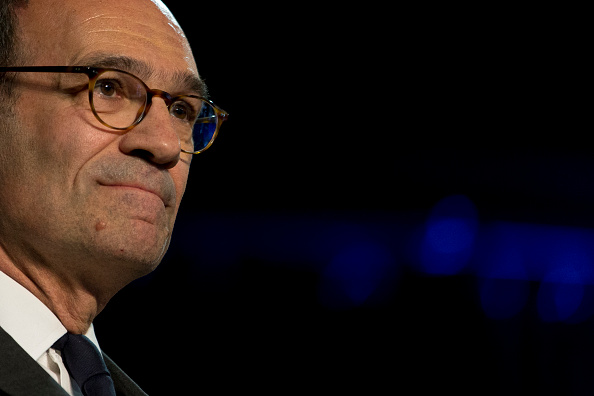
(119, 100)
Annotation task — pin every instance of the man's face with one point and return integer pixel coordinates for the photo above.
(71, 190)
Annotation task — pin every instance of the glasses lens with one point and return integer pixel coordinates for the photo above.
(205, 127)
(118, 99)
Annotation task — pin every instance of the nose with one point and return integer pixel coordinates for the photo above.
(155, 138)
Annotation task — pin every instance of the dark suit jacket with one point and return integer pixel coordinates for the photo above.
(20, 375)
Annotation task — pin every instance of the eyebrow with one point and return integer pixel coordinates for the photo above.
(185, 81)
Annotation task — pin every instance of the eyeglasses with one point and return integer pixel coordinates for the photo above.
(119, 100)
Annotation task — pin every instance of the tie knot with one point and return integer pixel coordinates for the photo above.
(85, 364)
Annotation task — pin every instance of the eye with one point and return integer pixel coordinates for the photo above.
(183, 111)
(107, 88)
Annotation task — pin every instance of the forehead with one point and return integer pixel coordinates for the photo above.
(139, 29)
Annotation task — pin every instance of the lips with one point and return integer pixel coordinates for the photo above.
(134, 173)
(160, 192)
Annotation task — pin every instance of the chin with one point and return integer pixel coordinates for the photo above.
(132, 254)
(144, 260)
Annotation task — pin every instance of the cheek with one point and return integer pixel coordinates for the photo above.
(180, 177)
(51, 143)
(62, 139)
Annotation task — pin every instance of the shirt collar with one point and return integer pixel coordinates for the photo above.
(28, 321)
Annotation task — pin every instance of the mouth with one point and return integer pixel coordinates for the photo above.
(165, 198)
(134, 175)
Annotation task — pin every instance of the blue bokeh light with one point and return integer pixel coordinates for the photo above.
(503, 283)
(568, 264)
(449, 236)
(354, 274)
(559, 301)
(503, 298)
(561, 292)
(359, 259)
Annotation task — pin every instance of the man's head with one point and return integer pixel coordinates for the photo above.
(77, 198)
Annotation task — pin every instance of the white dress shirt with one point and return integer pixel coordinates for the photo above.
(35, 328)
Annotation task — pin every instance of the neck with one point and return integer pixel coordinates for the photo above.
(74, 305)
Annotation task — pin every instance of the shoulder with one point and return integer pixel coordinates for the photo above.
(20, 374)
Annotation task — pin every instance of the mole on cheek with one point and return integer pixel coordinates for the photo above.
(100, 225)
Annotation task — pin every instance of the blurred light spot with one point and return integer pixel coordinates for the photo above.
(503, 298)
(562, 290)
(354, 274)
(501, 253)
(449, 236)
(559, 301)
(504, 289)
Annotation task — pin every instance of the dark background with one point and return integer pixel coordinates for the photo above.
(297, 258)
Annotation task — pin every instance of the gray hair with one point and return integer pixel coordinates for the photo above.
(9, 51)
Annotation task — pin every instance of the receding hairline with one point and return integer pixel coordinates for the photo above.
(185, 82)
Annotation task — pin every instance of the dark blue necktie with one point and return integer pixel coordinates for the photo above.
(85, 364)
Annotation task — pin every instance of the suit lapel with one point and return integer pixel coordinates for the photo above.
(20, 375)
(123, 384)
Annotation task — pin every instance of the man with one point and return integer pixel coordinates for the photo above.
(90, 179)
